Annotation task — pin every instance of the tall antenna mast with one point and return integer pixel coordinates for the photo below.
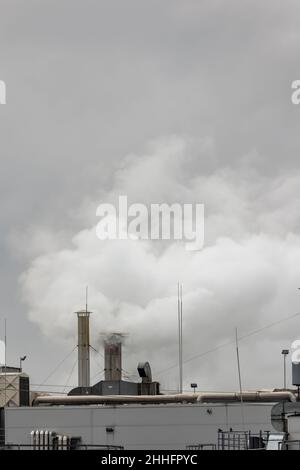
(179, 346)
(181, 381)
(5, 363)
(179, 306)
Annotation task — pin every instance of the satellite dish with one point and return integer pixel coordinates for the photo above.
(2, 353)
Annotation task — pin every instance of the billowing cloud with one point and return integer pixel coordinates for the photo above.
(89, 82)
(246, 276)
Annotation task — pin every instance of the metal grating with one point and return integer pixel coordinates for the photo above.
(242, 440)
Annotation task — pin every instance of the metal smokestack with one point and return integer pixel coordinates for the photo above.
(83, 317)
(113, 357)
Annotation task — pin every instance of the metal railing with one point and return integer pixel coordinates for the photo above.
(201, 447)
(293, 444)
(242, 440)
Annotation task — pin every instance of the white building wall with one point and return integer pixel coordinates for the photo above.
(138, 426)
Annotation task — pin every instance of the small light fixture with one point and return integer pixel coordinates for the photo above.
(110, 430)
(21, 360)
(284, 352)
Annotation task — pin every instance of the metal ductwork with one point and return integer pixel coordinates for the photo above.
(257, 396)
(144, 371)
(280, 412)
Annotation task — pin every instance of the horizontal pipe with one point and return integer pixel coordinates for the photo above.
(247, 397)
(112, 399)
(179, 398)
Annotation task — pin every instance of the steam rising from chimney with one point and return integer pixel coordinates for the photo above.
(113, 356)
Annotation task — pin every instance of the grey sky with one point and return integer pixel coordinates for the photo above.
(90, 82)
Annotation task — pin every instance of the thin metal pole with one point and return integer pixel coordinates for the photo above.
(181, 345)
(179, 336)
(240, 380)
(5, 344)
(284, 371)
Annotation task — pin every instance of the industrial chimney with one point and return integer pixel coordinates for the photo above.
(83, 317)
(113, 357)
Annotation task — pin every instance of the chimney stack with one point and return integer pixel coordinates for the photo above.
(83, 317)
(113, 357)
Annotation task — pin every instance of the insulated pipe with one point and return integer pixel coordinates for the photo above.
(65, 441)
(41, 446)
(247, 397)
(33, 439)
(60, 443)
(151, 399)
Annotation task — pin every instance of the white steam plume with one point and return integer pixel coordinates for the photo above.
(246, 276)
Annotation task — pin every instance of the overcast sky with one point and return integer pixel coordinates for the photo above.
(164, 101)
